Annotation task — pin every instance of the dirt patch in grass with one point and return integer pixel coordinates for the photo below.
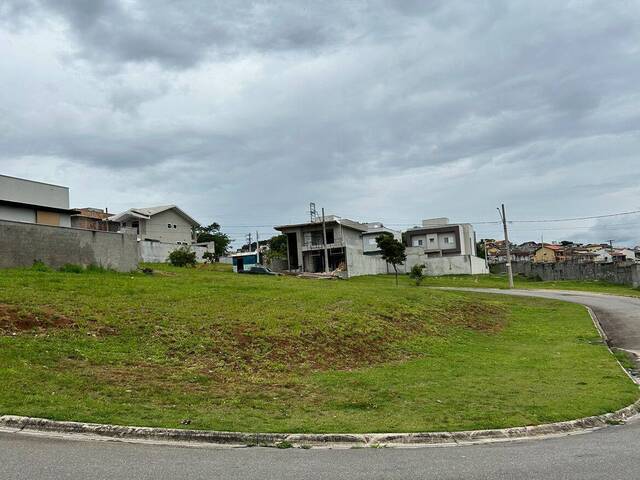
(14, 320)
(480, 317)
(338, 344)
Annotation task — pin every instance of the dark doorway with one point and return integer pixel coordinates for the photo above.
(240, 264)
(292, 244)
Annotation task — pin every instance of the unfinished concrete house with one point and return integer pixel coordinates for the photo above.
(350, 247)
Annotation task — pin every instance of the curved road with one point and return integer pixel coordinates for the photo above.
(610, 453)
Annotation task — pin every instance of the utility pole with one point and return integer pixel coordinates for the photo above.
(324, 244)
(503, 217)
(249, 240)
(257, 248)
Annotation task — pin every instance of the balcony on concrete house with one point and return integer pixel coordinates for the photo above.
(314, 240)
(318, 245)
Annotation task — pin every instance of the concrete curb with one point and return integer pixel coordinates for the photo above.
(127, 433)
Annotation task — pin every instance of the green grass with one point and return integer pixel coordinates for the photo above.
(208, 349)
(500, 281)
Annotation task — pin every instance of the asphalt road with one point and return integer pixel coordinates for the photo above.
(610, 453)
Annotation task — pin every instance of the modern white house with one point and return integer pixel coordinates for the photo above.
(444, 248)
(28, 201)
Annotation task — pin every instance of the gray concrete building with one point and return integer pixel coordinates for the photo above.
(28, 201)
(346, 243)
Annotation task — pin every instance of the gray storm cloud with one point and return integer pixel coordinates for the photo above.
(246, 111)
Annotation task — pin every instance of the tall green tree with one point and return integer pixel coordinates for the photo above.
(278, 246)
(392, 250)
(213, 233)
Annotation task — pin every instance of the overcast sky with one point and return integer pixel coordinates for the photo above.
(244, 112)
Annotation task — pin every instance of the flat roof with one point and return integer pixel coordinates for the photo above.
(34, 206)
(33, 181)
(340, 221)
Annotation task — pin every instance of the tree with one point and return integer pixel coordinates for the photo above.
(481, 249)
(393, 251)
(417, 274)
(213, 233)
(277, 246)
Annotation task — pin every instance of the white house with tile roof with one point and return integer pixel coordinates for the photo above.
(166, 224)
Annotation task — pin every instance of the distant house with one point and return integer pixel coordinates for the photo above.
(166, 224)
(94, 219)
(28, 201)
(444, 248)
(437, 237)
(374, 230)
(549, 253)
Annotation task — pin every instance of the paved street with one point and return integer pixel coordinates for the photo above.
(605, 454)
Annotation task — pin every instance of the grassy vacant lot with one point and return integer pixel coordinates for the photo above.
(500, 281)
(253, 353)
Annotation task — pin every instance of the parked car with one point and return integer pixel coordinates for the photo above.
(259, 270)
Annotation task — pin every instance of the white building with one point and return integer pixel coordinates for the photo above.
(444, 248)
(166, 224)
(27, 201)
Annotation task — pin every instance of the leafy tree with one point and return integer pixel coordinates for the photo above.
(278, 246)
(416, 274)
(213, 233)
(393, 251)
(481, 248)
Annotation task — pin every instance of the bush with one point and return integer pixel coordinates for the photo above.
(209, 257)
(71, 268)
(182, 257)
(416, 274)
(96, 269)
(39, 266)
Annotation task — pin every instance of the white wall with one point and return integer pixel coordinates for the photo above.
(447, 265)
(360, 264)
(157, 252)
(27, 191)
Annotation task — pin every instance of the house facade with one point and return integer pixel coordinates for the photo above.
(444, 248)
(28, 201)
(346, 242)
(437, 237)
(549, 253)
(165, 224)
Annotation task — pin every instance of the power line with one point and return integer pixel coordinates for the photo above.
(497, 222)
(594, 217)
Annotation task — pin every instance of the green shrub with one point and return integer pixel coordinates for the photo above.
(182, 257)
(71, 268)
(416, 274)
(96, 269)
(39, 266)
(209, 257)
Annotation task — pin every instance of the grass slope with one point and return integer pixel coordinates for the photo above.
(242, 352)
